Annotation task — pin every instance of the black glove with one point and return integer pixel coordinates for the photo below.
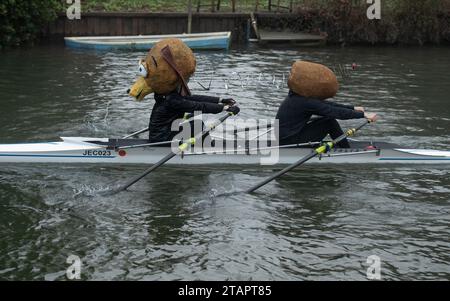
(235, 110)
(228, 101)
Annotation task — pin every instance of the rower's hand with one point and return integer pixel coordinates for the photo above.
(234, 109)
(372, 117)
(228, 101)
(359, 109)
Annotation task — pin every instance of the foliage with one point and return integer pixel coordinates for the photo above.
(406, 22)
(21, 21)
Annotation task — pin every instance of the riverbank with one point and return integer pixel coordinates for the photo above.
(349, 27)
(345, 22)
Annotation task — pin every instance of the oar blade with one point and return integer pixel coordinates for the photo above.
(146, 172)
(282, 172)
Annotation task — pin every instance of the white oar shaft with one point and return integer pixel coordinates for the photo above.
(136, 133)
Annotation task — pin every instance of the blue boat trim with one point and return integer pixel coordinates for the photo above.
(218, 43)
(57, 156)
(33, 143)
(413, 159)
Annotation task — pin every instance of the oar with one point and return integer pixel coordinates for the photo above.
(318, 151)
(172, 154)
(136, 133)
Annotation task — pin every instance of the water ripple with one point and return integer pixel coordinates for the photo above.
(195, 223)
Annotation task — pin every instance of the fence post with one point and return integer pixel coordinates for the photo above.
(190, 16)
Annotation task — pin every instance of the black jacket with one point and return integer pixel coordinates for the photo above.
(173, 106)
(295, 111)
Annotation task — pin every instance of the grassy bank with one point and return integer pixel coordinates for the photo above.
(133, 5)
(181, 5)
(388, 6)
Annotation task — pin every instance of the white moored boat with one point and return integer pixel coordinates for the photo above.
(134, 151)
(204, 41)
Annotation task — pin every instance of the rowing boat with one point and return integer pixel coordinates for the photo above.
(137, 151)
(205, 41)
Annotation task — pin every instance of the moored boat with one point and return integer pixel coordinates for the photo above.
(205, 41)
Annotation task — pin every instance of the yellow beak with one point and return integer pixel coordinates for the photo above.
(140, 89)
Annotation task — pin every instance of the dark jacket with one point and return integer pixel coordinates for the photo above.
(295, 111)
(170, 107)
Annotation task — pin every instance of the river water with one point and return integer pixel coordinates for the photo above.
(316, 223)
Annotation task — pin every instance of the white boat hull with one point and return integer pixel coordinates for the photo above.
(76, 150)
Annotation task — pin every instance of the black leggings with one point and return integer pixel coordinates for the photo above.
(316, 130)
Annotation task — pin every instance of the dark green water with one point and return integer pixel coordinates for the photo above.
(315, 223)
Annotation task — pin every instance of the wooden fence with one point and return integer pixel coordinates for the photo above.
(118, 24)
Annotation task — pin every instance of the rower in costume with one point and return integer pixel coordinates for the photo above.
(173, 106)
(309, 86)
(165, 72)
